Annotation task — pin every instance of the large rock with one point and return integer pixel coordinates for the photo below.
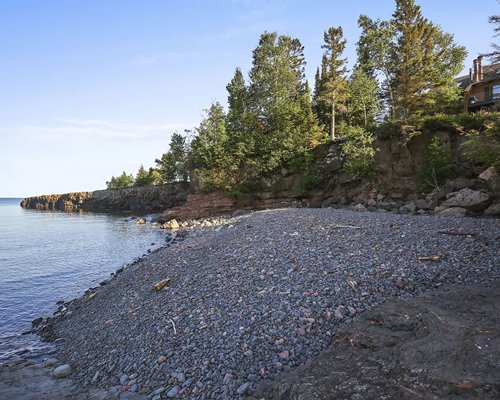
(442, 345)
(487, 174)
(492, 210)
(452, 212)
(63, 371)
(469, 199)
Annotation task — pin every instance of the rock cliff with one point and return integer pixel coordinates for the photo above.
(149, 198)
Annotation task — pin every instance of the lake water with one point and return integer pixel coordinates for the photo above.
(47, 256)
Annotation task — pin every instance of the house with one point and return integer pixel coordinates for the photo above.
(481, 88)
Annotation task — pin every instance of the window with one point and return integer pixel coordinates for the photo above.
(495, 91)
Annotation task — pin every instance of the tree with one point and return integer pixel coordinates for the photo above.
(150, 177)
(375, 50)
(428, 59)
(120, 182)
(172, 165)
(240, 140)
(363, 99)
(209, 150)
(281, 120)
(333, 90)
(494, 56)
(141, 177)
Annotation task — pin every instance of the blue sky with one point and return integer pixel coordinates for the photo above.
(91, 88)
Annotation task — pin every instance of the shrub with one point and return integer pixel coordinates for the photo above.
(437, 165)
(359, 153)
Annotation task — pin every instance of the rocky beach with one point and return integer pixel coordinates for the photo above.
(255, 296)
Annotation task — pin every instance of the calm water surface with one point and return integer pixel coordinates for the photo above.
(46, 256)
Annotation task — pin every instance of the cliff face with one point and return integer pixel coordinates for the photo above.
(149, 198)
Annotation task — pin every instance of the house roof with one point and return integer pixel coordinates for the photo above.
(490, 72)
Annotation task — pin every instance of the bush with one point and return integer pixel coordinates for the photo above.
(359, 153)
(483, 148)
(437, 165)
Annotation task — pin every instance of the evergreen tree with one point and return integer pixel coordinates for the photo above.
(427, 59)
(363, 99)
(172, 165)
(281, 119)
(150, 177)
(240, 141)
(375, 50)
(120, 182)
(141, 178)
(333, 91)
(209, 150)
(494, 56)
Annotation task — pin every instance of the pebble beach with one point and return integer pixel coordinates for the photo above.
(257, 296)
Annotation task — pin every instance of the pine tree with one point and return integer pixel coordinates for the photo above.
(334, 84)
(427, 59)
(120, 182)
(172, 165)
(375, 50)
(141, 178)
(363, 99)
(281, 118)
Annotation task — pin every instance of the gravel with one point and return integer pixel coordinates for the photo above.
(262, 294)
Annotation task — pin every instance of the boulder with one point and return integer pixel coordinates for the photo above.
(492, 210)
(459, 183)
(453, 212)
(172, 224)
(472, 200)
(63, 371)
(141, 222)
(487, 174)
(408, 208)
(387, 205)
(422, 204)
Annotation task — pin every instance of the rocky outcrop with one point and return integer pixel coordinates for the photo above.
(202, 205)
(64, 202)
(443, 345)
(148, 198)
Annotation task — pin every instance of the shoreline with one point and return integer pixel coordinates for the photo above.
(286, 360)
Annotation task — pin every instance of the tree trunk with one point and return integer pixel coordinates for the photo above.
(332, 123)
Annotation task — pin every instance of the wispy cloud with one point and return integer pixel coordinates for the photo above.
(97, 130)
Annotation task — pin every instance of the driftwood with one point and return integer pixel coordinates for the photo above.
(458, 233)
(437, 257)
(160, 285)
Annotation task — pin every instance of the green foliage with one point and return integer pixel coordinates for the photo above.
(483, 147)
(363, 99)
(416, 60)
(120, 182)
(462, 123)
(359, 152)
(173, 165)
(151, 177)
(437, 165)
(428, 59)
(306, 183)
(331, 85)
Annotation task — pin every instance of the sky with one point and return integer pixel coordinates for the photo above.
(91, 88)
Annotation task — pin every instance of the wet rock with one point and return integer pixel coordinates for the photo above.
(141, 221)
